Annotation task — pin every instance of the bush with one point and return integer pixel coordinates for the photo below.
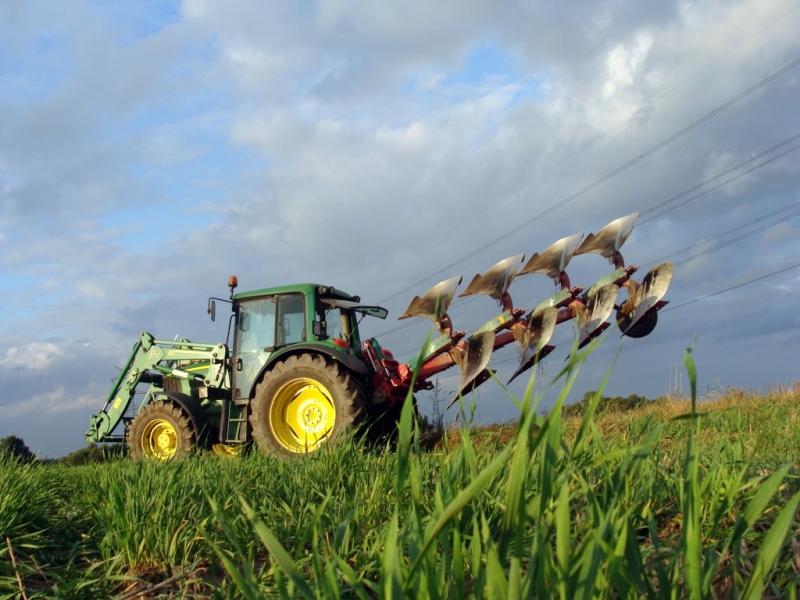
(617, 403)
(95, 453)
(13, 447)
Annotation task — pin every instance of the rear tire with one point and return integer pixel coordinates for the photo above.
(304, 403)
(161, 431)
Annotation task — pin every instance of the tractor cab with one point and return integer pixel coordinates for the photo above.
(273, 323)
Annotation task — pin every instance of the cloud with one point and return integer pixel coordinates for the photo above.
(47, 404)
(775, 235)
(35, 356)
(623, 63)
(146, 156)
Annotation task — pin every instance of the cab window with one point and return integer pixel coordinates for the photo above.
(336, 320)
(256, 326)
(333, 320)
(291, 322)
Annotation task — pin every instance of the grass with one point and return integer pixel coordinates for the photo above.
(673, 499)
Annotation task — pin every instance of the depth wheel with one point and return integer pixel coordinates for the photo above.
(161, 431)
(304, 403)
(643, 326)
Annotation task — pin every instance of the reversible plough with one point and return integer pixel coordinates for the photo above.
(637, 316)
(297, 375)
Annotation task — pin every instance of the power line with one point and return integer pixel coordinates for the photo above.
(737, 239)
(750, 170)
(718, 175)
(726, 171)
(733, 287)
(606, 177)
(641, 109)
(733, 230)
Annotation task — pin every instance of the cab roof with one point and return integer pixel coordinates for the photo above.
(298, 288)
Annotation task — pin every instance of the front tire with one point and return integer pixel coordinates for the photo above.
(161, 431)
(303, 403)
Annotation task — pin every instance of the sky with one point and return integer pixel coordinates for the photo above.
(150, 150)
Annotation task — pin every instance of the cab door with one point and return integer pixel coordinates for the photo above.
(255, 341)
(264, 325)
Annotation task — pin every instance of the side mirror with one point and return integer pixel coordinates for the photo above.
(212, 309)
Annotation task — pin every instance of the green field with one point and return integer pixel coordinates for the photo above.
(670, 499)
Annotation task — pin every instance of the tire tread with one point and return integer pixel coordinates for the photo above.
(347, 392)
(170, 411)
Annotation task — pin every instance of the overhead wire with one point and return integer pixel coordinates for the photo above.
(602, 179)
(733, 287)
(728, 232)
(718, 176)
(639, 110)
(740, 175)
(682, 194)
(736, 239)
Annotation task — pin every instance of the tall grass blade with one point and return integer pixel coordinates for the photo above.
(277, 550)
(463, 498)
(770, 549)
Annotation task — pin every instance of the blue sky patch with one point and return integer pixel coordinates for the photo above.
(484, 66)
(133, 21)
(483, 63)
(32, 76)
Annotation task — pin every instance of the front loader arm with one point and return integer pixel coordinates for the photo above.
(150, 355)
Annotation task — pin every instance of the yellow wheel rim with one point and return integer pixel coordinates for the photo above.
(159, 440)
(227, 450)
(302, 415)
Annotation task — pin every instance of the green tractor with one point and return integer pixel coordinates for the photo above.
(293, 380)
(298, 376)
